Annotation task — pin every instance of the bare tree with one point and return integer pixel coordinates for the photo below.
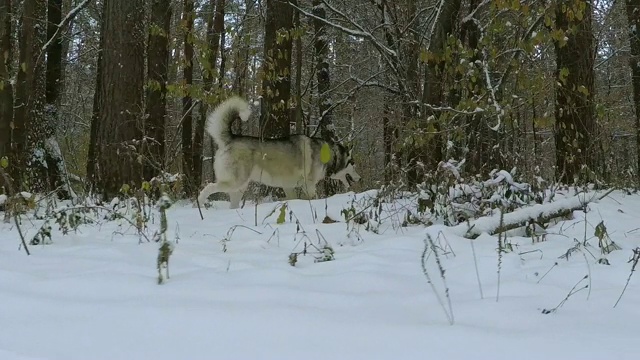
(215, 27)
(157, 73)
(120, 105)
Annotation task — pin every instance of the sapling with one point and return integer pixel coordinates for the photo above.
(606, 244)
(166, 248)
(430, 245)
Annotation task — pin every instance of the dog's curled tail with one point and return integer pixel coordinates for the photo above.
(219, 121)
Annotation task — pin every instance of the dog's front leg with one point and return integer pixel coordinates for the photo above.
(234, 199)
(289, 193)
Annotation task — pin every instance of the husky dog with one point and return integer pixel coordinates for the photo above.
(288, 162)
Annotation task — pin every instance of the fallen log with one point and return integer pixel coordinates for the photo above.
(538, 214)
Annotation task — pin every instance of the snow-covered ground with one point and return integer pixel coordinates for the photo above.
(92, 294)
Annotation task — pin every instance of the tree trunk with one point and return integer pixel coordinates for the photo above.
(389, 136)
(57, 171)
(483, 155)
(187, 100)
(215, 26)
(433, 93)
(633, 15)
(157, 72)
(321, 45)
(29, 129)
(574, 108)
(298, 115)
(276, 70)
(120, 92)
(6, 88)
(93, 151)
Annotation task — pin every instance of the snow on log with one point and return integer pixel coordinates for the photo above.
(539, 213)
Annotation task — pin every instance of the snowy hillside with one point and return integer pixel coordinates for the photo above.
(233, 294)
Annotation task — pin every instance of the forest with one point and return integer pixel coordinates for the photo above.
(497, 144)
(96, 95)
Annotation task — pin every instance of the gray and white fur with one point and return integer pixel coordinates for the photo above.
(288, 162)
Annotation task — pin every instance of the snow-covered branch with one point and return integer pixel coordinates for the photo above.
(472, 14)
(390, 55)
(539, 213)
(359, 32)
(449, 109)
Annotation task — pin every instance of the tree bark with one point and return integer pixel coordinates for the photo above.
(433, 93)
(633, 16)
(483, 155)
(215, 27)
(276, 70)
(574, 109)
(6, 88)
(187, 100)
(120, 104)
(321, 45)
(157, 78)
(299, 114)
(56, 169)
(29, 129)
(93, 151)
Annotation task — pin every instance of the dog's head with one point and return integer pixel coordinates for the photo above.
(345, 167)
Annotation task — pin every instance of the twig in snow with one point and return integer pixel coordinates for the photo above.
(571, 292)
(430, 245)
(634, 259)
(12, 193)
(548, 271)
(500, 251)
(475, 262)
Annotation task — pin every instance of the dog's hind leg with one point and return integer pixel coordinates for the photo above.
(309, 191)
(235, 192)
(208, 190)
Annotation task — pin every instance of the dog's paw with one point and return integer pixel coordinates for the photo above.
(202, 201)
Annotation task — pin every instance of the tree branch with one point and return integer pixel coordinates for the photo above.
(63, 24)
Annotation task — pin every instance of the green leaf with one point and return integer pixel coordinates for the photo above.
(583, 90)
(4, 162)
(325, 153)
(283, 214)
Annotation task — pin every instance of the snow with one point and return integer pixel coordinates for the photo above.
(93, 294)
